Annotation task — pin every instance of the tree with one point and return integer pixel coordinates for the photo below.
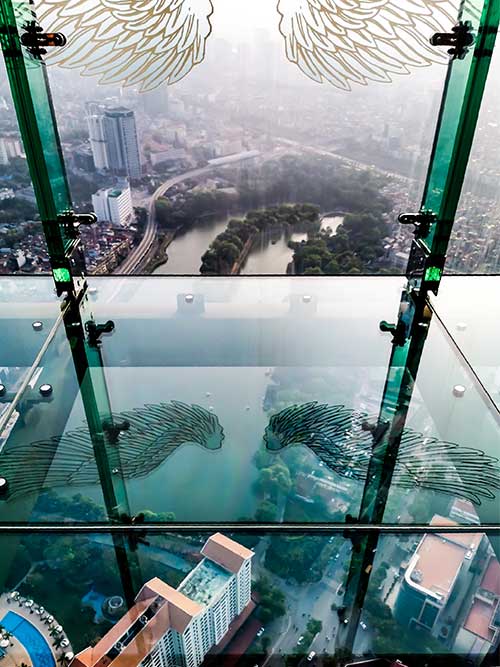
(266, 512)
(314, 626)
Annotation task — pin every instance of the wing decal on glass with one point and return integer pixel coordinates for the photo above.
(154, 433)
(340, 438)
(355, 41)
(142, 43)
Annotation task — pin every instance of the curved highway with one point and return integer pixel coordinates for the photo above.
(137, 256)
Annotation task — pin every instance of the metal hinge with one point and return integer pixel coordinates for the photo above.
(72, 220)
(460, 39)
(421, 221)
(95, 331)
(35, 39)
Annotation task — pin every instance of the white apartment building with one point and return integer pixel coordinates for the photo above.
(113, 205)
(177, 628)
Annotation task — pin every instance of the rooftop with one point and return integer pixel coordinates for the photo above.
(226, 552)
(204, 583)
(438, 559)
(159, 607)
(479, 620)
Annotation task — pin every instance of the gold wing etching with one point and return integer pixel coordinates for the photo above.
(142, 43)
(355, 41)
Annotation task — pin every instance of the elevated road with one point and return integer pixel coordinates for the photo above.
(139, 254)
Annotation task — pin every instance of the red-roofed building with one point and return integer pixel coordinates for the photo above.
(166, 627)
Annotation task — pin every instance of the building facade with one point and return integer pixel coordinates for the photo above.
(120, 133)
(173, 628)
(113, 205)
(113, 139)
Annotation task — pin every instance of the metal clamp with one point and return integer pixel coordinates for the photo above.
(460, 39)
(397, 331)
(113, 430)
(95, 331)
(35, 39)
(421, 221)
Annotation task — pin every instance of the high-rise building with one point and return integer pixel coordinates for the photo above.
(120, 133)
(95, 115)
(113, 139)
(168, 627)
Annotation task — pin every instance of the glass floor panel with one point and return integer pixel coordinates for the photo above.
(431, 599)
(250, 399)
(474, 324)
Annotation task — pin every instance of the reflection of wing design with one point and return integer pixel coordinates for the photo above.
(355, 41)
(133, 43)
(335, 434)
(154, 434)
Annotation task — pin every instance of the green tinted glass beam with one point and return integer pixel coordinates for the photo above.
(403, 368)
(35, 113)
(457, 122)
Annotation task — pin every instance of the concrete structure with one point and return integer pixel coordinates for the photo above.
(436, 580)
(168, 627)
(113, 205)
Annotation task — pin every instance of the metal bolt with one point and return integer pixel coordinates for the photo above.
(189, 298)
(458, 390)
(37, 326)
(45, 390)
(3, 390)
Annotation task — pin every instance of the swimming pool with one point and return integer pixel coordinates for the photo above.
(31, 638)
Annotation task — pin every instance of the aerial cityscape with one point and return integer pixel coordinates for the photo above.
(173, 172)
(264, 423)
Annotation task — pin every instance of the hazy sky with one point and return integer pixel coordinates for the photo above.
(239, 18)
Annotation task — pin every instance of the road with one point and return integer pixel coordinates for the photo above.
(137, 256)
(306, 602)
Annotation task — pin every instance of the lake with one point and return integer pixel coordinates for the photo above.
(185, 252)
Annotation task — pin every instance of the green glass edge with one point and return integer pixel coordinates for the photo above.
(457, 122)
(35, 113)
